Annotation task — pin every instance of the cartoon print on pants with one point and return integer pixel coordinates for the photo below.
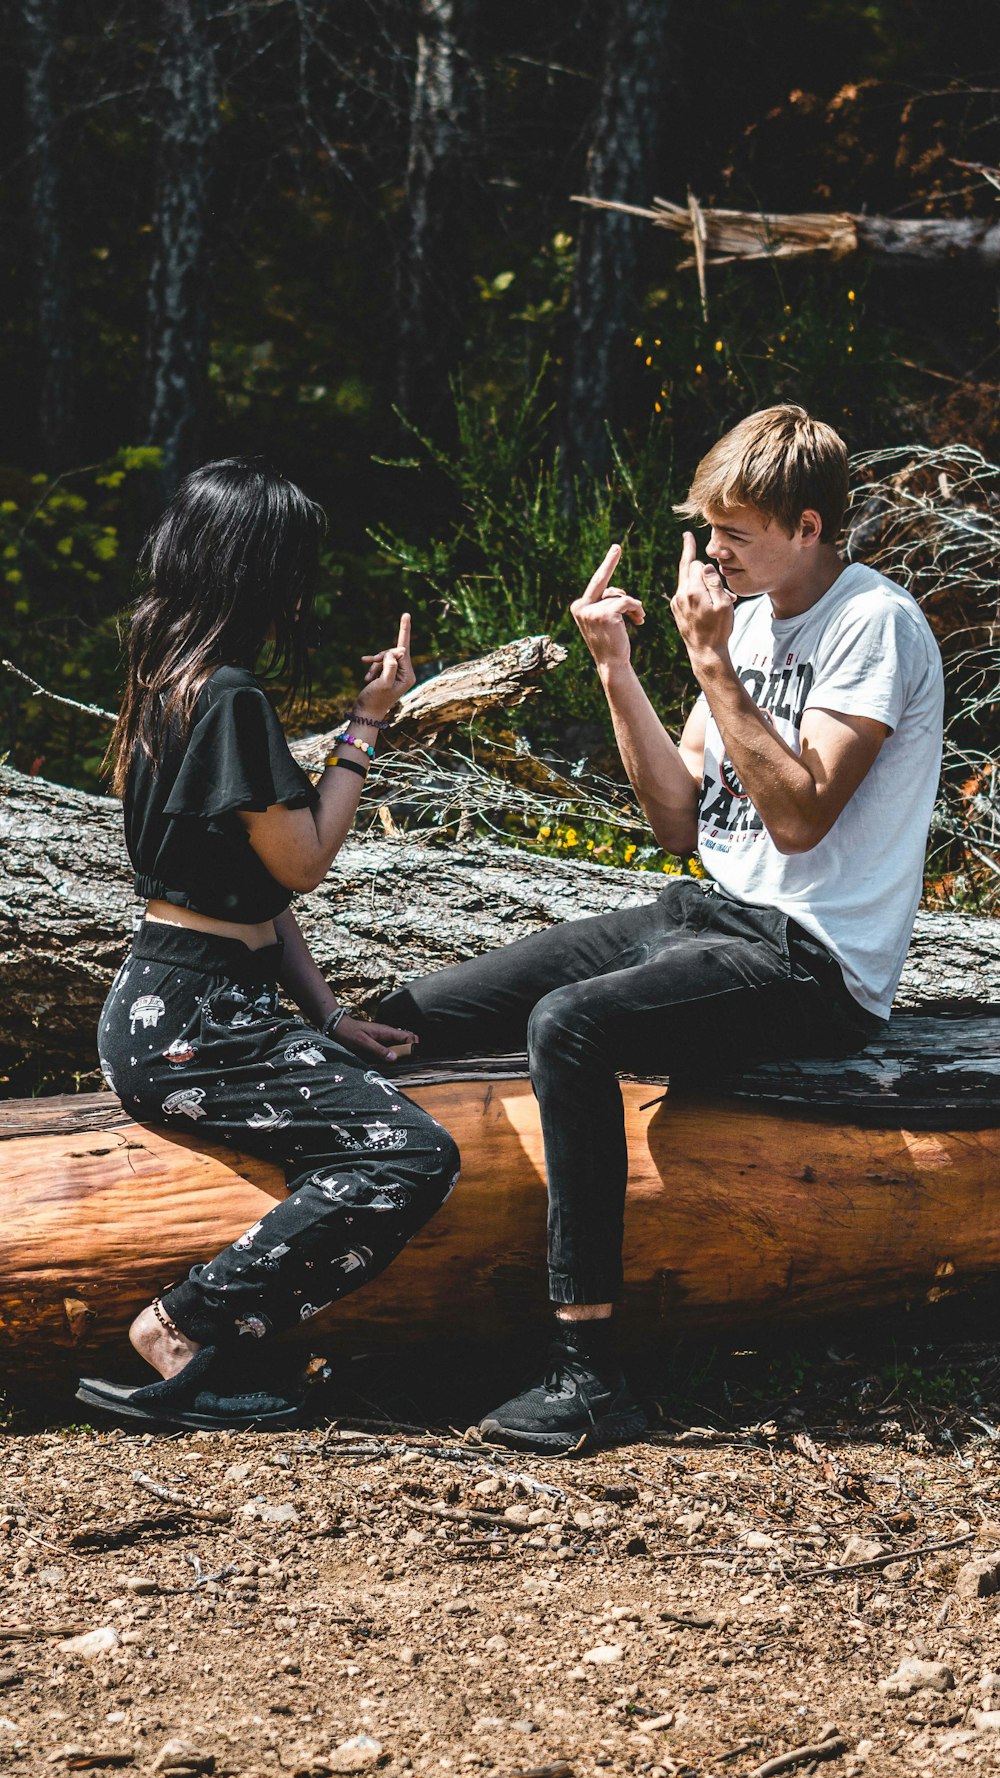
(147, 1010)
(269, 1119)
(375, 1080)
(184, 1067)
(187, 1100)
(380, 1135)
(310, 1053)
(271, 1261)
(353, 1191)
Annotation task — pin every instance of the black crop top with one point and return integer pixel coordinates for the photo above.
(185, 840)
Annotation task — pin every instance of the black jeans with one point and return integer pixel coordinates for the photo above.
(191, 1036)
(694, 982)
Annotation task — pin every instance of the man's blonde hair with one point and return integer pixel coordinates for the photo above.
(780, 461)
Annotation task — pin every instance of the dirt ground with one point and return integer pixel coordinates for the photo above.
(358, 1596)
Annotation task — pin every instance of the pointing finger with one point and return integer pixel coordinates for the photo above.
(403, 639)
(598, 583)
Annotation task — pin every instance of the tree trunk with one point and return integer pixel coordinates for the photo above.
(736, 1213)
(57, 398)
(177, 303)
(622, 163)
(389, 910)
(433, 268)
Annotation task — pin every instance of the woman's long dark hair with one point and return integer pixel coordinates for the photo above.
(234, 557)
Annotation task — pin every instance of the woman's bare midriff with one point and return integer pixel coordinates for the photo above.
(164, 913)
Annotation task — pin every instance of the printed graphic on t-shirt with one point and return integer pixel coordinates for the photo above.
(726, 815)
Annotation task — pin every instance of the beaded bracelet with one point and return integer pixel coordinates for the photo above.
(346, 740)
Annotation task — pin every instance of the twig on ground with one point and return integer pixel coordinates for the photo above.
(460, 1515)
(800, 1756)
(559, 1768)
(649, 1481)
(334, 1431)
(115, 1537)
(220, 1515)
(886, 1561)
(35, 1632)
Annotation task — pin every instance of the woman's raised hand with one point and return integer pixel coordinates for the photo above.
(390, 673)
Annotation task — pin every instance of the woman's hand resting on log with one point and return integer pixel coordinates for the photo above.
(367, 1039)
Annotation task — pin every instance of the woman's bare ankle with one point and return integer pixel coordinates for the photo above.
(165, 1348)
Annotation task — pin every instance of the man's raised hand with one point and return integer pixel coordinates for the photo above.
(603, 611)
(702, 607)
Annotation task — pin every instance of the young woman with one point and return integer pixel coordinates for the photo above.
(222, 826)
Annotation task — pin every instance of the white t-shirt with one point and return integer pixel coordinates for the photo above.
(864, 649)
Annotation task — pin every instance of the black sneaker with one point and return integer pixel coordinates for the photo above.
(581, 1403)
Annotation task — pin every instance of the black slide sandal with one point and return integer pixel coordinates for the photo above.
(207, 1395)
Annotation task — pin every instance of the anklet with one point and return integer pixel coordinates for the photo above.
(164, 1319)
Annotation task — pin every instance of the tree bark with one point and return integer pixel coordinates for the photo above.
(433, 266)
(177, 313)
(390, 910)
(970, 241)
(56, 332)
(621, 163)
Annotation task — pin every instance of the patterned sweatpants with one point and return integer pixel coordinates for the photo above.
(192, 1036)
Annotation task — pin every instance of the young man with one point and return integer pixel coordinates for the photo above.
(806, 775)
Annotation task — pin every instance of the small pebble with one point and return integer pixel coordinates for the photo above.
(913, 1675)
(91, 1644)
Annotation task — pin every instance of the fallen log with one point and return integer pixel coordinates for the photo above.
(389, 910)
(719, 236)
(796, 1190)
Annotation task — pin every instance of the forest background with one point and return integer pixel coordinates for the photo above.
(345, 237)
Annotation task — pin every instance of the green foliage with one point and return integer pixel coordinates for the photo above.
(67, 552)
(774, 332)
(519, 545)
(596, 842)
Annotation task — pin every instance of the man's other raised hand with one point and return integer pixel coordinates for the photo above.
(702, 605)
(603, 612)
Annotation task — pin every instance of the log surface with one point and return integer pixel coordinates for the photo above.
(735, 1214)
(390, 909)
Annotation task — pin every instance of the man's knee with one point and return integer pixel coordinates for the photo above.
(557, 1022)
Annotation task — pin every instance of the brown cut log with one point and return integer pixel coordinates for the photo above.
(749, 1206)
(389, 910)
(721, 236)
